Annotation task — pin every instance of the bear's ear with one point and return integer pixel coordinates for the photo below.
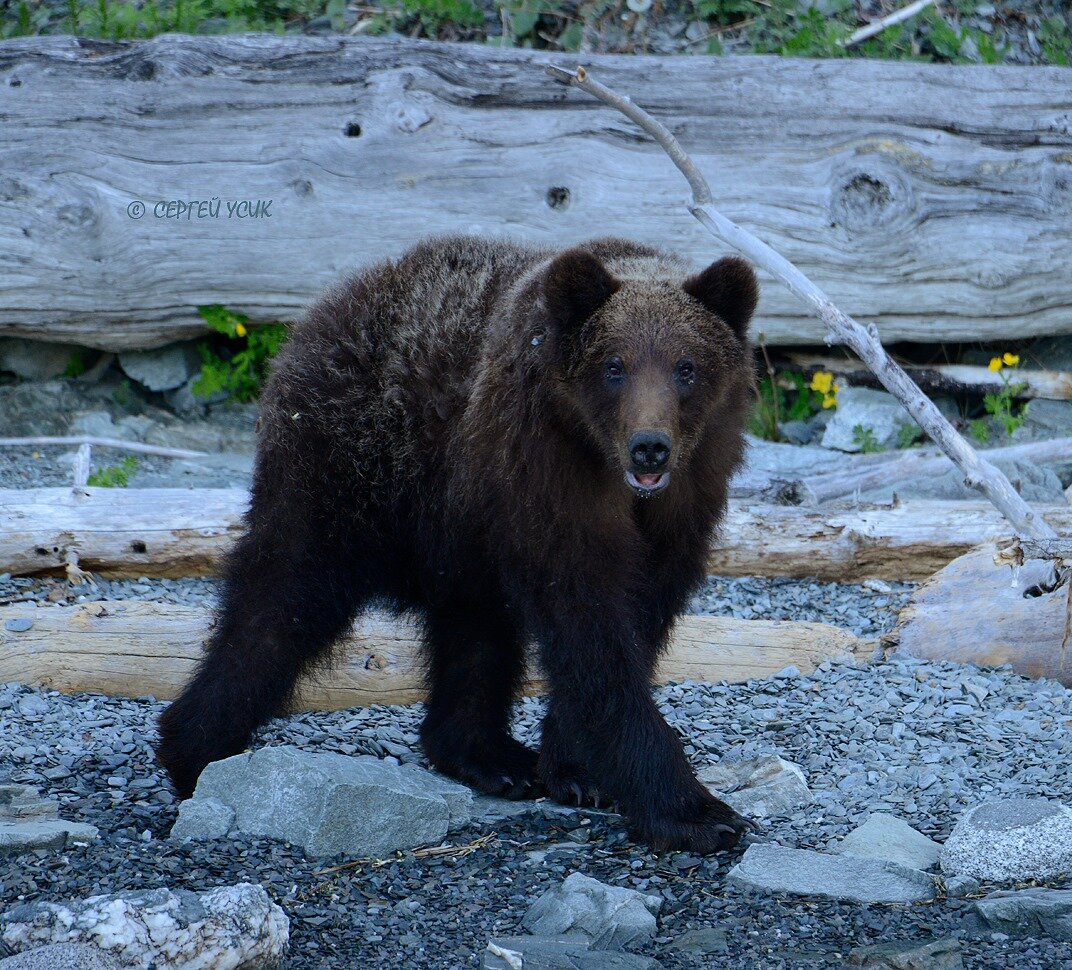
(729, 289)
(575, 286)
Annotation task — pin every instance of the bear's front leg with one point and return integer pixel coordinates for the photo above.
(603, 710)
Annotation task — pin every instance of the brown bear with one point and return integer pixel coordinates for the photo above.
(515, 445)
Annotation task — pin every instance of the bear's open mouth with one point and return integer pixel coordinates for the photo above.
(646, 484)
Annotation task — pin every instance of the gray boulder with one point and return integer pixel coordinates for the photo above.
(936, 955)
(558, 953)
(229, 928)
(887, 837)
(1011, 840)
(326, 803)
(163, 369)
(62, 956)
(862, 407)
(609, 917)
(763, 786)
(1034, 482)
(35, 360)
(29, 822)
(802, 872)
(1023, 914)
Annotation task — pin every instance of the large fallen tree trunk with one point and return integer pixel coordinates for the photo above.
(935, 208)
(132, 649)
(182, 532)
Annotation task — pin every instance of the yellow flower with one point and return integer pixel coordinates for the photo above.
(1010, 360)
(830, 400)
(995, 364)
(821, 381)
(240, 330)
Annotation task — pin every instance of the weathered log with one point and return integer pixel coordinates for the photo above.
(876, 471)
(132, 649)
(974, 611)
(1054, 385)
(936, 208)
(182, 532)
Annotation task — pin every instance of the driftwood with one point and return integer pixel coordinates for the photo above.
(937, 207)
(875, 471)
(841, 328)
(975, 612)
(182, 532)
(1053, 385)
(132, 649)
(90, 441)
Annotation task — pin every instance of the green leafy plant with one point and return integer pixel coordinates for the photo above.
(241, 368)
(908, 435)
(435, 15)
(76, 365)
(125, 396)
(114, 476)
(776, 403)
(1056, 40)
(980, 430)
(865, 438)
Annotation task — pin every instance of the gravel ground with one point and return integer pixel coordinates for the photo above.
(924, 741)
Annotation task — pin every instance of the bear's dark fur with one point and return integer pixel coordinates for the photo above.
(515, 445)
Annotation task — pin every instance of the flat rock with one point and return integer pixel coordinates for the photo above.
(29, 822)
(1011, 840)
(1022, 914)
(163, 369)
(228, 928)
(558, 953)
(35, 360)
(877, 411)
(887, 837)
(706, 939)
(327, 803)
(936, 955)
(803, 872)
(609, 917)
(763, 786)
(62, 956)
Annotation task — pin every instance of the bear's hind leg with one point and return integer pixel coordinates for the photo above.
(290, 588)
(475, 666)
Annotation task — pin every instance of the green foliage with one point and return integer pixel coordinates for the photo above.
(76, 365)
(775, 403)
(909, 435)
(125, 397)
(241, 368)
(114, 476)
(1056, 40)
(1003, 407)
(434, 15)
(980, 430)
(865, 438)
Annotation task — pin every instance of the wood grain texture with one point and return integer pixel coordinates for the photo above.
(182, 532)
(132, 649)
(936, 207)
(975, 612)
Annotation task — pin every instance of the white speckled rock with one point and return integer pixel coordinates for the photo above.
(766, 786)
(885, 836)
(802, 872)
(609, 917)
(229, 928)
(326, 803)
(1011, 840)
(62, 956)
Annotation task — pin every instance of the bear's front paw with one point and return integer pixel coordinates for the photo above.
(568, 785)
(495, 766)
(713, 827)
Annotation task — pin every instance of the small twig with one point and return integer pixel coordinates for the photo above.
(877, 26)
(841, 328)
(105, 443)
(75, 574)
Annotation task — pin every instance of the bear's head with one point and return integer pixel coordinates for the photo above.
(650, 366)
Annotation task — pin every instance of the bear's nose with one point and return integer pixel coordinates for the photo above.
(650, 450)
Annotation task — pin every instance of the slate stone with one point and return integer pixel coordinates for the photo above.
(29, 822)
(1011, 840)
(609, 917)
(19, 624)
(1022, 914)
(875, 410)
(203, 818)
(36, 360)
(558, 953)
(957, 887)
(885, 836)
(936, 955)
(62, 956)
(763, 786)
(163, 369)
(327, 803)
(802, 872)
(707, 939)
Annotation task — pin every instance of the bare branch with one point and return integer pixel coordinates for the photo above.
(978, 473)
(118, 443)
(877, 26)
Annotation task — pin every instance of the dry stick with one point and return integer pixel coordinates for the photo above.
(880, 25)
(106, 443)
(978, 473)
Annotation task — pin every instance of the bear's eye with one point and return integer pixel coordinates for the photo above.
(686, 371)
(614, 370)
